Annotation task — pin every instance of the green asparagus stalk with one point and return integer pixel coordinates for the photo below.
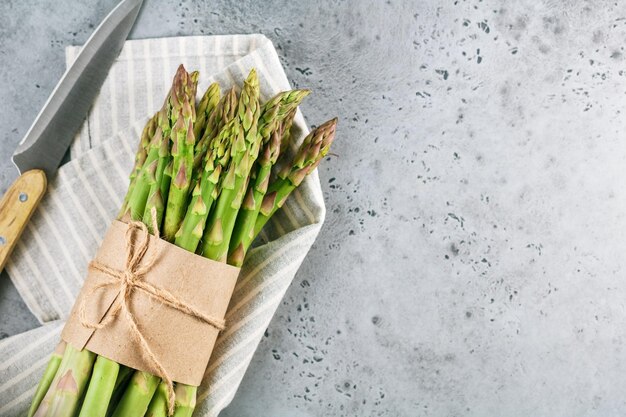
(146, 136)
(244, 150)
(309, 155)
(72, 377)
(286, 141)
(205, 108)
(151, 181)
(121, 382)
(243, 233)
(145, 176)
(205, 192)
(187, 238)
(137, 199)
(106, 374)
(167, 177)
(276, 111)
(140, 158)
(101, 386)
(138, 395)
(192, 88)
(182, 160)
(185, 400)
(48, 376)
(181, 98)
(158, 405)
(243, 137)
(224, 113)
(44, 405)
(245, 144)
(159, 182)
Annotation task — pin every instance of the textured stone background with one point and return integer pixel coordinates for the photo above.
(472, 262)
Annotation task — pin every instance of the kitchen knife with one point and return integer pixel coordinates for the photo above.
(41, 150)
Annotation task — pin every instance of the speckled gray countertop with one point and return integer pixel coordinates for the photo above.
(472, 261)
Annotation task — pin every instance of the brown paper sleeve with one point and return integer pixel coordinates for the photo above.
(181, 343)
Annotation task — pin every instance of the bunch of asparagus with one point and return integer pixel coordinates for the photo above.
(206, 170)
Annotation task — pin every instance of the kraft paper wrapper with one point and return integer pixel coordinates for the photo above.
(181, 343)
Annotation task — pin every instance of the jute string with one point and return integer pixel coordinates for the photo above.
(129, 280)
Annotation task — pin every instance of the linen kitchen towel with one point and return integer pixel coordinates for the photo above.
(50, 262)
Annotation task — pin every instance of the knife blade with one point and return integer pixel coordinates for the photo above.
(40, 152)
(51, 133)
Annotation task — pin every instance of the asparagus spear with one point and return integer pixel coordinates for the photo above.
(149, 184)
(190, 233)
(187, 238)
(67, 388)
(182, 160)
(44, 404)
(206, 191)
(308, 157)
(205, 109)
(273, 116)
(138, 395)
(101, 386)
(244, 139)
(167, 178)
(137, 198)
(158, 405)
(121, 382)
(276, 111)
(48, 376)
(141, 189)
(158, 180)
(288, 122)
(224, 113)
(245, 144)
(244, 226)
(185, 400)
(140, 157)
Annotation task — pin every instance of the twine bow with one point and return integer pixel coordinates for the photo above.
(131, 279)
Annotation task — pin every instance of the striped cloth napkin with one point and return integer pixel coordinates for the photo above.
(50, 261)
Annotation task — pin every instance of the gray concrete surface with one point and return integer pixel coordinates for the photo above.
(472, 263)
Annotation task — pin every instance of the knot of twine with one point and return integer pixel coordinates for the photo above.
(131, 279)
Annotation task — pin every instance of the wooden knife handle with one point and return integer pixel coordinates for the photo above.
(16, 207)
